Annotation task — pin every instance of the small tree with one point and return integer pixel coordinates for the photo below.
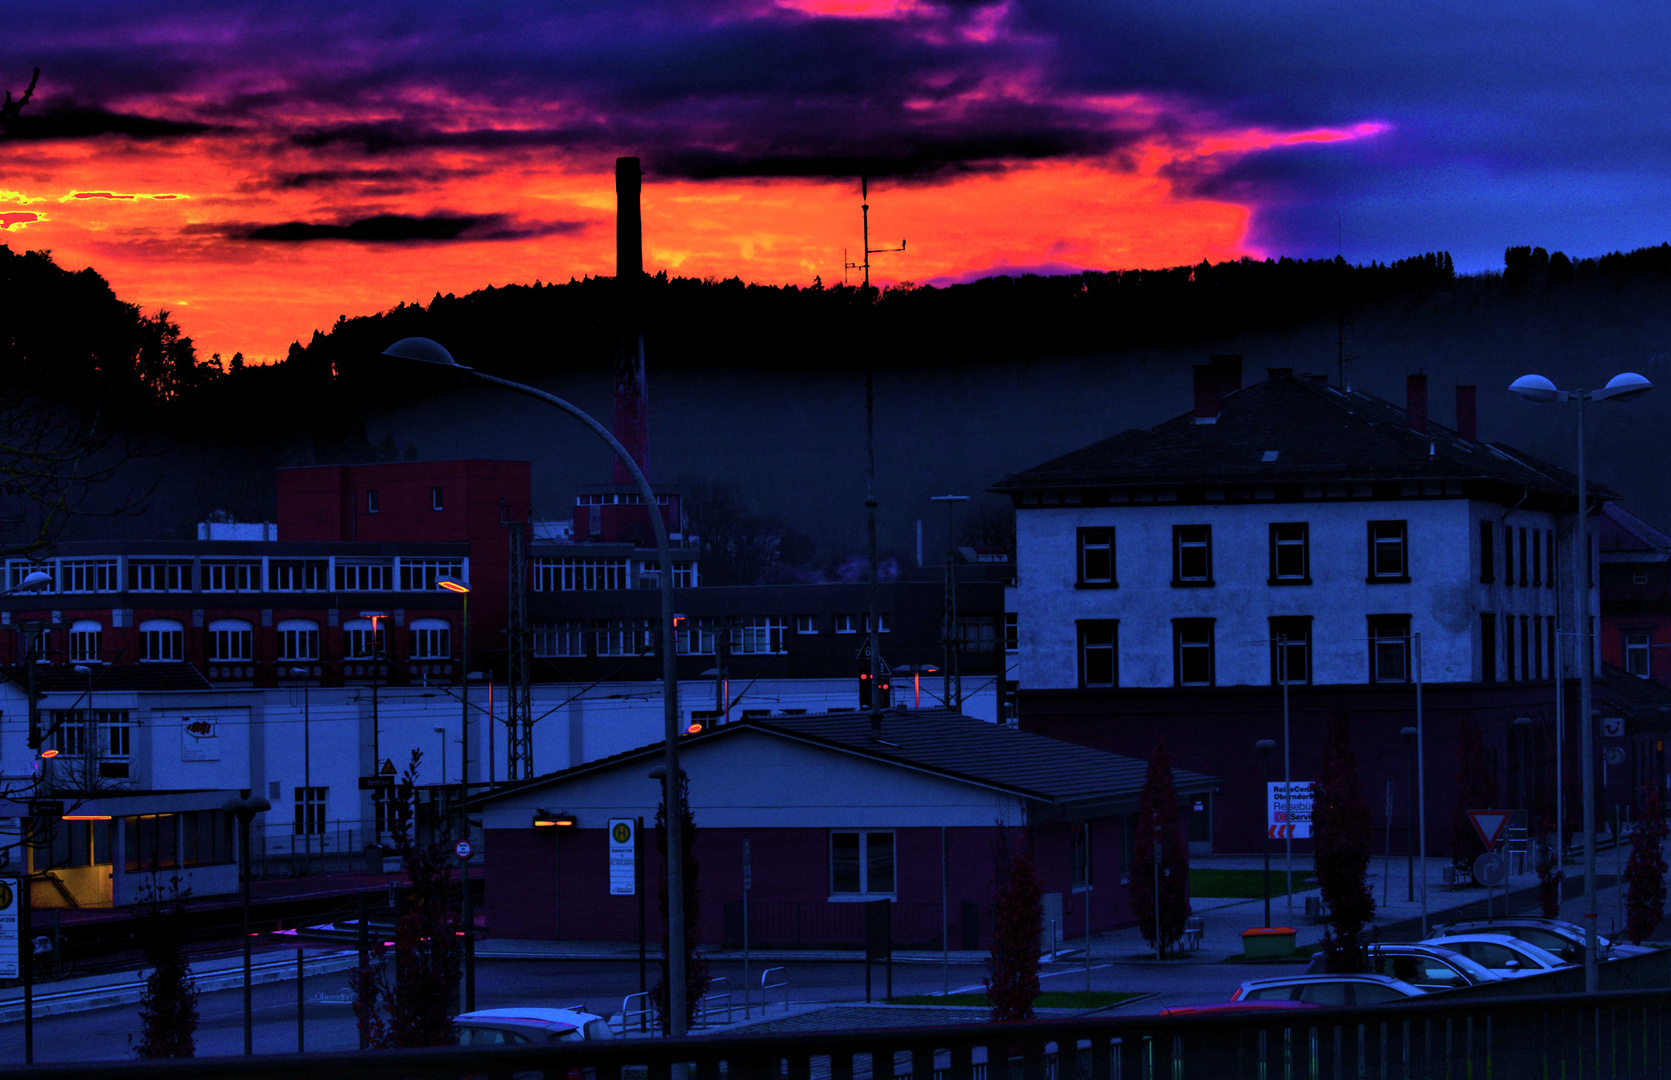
(1476, 789)
(168, 1006)
(415, 1008)
(1012, 980)
(1340, 837)
(697, 978)
(1159, 823)
(1645, 871)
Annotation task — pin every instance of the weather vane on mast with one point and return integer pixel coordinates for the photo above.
(864, 194)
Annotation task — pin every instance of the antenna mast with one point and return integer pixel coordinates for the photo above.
(864, 196)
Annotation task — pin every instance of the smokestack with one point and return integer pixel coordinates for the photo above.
(1221, 376)
(1467, 424)
(1415, 409)
(632, 395)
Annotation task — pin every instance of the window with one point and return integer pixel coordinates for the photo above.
(1525, 648)
(1081, 855)
(296, 575)
(1508, 555)
(1638, 577)
(224, 575)
(371, 502)
(684, 575)
(1537, 557)
(1508, 648)
(1388, 554)
(206, 838)
(1012, 632)
(1637, 652)
(1549, 642)
(806, 624)
(84, 641)
(151, 842)
(977, 635)
(87, 575)
(1291, 649)
(844, 624)
(1549, 546)
(1290, 553)
(359, 642)
(884, 619)
(1099, 653)
(1192, 555)
(431, 639)
(1192, 652)
(1389, 648)
(230, 639)
(1096, 557)
(579, 575)
(1537, 645)
(376, 576)
(435, 500)
(298, 639)
(759, 634)
(1488, 554)
(102, 738)
(1488, 648)
(310, 810)
(697, 637)
(420, 575)
(861, 863)
(623, 637)
(156, 575)
(161, 639)
(560, 639)
(1522, 533)
(18, 569)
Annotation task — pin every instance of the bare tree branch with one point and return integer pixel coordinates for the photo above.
(10, 109)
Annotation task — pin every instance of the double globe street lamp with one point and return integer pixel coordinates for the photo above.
(1540, 391)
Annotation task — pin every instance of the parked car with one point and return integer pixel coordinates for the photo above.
(1558, 936)
(1327, 989)
(1423, 965)
(1243, 1008)
(1508, 956)
(505, 1027)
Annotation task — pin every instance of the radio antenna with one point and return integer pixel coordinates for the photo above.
(864, 196)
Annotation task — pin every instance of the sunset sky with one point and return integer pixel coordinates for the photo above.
(260, 169)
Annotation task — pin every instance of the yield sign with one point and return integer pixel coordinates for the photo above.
(1489, 824)
(388, 768)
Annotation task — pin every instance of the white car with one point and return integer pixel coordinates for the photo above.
(1508, 956)
(509, 1027)
(1558, 936)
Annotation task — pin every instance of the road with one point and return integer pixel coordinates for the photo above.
(328, 1020)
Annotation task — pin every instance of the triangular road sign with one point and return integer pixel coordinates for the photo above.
(1489, 824)
(388, 768)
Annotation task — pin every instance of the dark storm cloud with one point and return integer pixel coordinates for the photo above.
(403, 228)
(70, 121)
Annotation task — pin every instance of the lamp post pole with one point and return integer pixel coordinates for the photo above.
(1265, 746)
(1409, 734)
(426, 351)
(244, 808)
(462, 588)
(1421, 774)
(441, 731)
(1287, 776)
(1539, 390)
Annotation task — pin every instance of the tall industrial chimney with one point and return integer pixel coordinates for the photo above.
(632, 395)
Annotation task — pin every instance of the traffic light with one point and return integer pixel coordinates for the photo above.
(864, 689)
(886, 687)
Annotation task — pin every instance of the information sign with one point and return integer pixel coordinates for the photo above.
(623, 857)
(1288, 810)
(11, 962)
(462, 849)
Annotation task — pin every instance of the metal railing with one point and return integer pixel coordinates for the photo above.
(717, 998)
(767, 986)
(1574, 1037)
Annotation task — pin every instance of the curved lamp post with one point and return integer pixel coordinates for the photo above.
(426, 351)
(1540, 391)
(1265, 746)
(244, 809)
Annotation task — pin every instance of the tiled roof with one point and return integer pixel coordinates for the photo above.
(1619, 693)
(940, 741)
(1288, 430)
(143, 678)
(1623, 531)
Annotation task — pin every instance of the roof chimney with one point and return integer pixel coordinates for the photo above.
(632, 406)
(1415, 410)
(1467, 425)
(1220, 376)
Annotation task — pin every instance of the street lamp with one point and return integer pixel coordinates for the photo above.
(1265, 746)
(33, 580)
(949, 634)
(426, 351)
(441, 731)
(1540, 391)
(245, 808)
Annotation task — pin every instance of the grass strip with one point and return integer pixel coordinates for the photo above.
(1241, 884)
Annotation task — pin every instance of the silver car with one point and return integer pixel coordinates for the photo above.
(1509, 957)
(1424, 965)
(1327, 989)
(508, 1027)
(1558, 936)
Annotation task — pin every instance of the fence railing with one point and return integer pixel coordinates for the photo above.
(793, 924)
(1573, 1037)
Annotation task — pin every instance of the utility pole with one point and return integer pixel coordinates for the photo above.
(949, 642)
(519, 710)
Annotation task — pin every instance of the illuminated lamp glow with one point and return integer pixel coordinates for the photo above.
(49, 753)
(86, 817)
